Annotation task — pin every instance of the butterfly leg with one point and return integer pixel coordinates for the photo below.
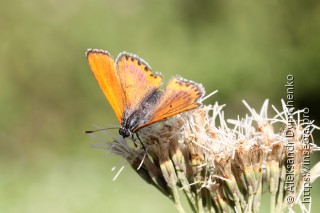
(141, 142)
(134, 141)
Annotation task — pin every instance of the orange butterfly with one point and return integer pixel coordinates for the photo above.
(133, 90)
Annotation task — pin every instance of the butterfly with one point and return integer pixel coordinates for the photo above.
(132, 90)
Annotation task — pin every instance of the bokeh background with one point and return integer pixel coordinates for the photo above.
(48, 95)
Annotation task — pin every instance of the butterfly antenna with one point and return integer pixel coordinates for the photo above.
(97, 130)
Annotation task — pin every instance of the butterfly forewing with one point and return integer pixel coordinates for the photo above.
(103, 68)
(136, 79)
(179, 96)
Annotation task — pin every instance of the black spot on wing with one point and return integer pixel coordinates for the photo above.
(155, 76)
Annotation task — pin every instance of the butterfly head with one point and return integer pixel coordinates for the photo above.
(124, 132)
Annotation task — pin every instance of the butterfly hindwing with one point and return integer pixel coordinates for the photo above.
(136, 79)
(104, 70)
(180, 95)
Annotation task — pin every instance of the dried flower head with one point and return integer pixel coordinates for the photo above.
(225, 166)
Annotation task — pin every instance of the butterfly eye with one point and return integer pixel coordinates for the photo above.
(124, 132)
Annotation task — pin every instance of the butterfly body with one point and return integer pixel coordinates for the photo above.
(133, 90)
(131, 122)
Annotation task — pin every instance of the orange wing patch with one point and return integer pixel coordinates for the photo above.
(136, 79)
(103, 68)
(179, 96)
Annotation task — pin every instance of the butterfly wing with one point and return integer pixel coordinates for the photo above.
(103, 68)
(179, 96)
(136, 79)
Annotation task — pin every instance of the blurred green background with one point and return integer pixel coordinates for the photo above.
(48, 95)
